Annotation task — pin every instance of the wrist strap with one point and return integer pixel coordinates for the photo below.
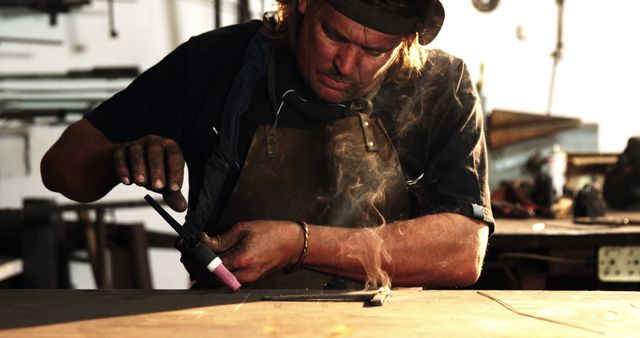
(305, 246)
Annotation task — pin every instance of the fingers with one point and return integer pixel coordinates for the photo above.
(175, 200)
(136, 162)
(175, 166)
(223, 242)
(155, 161)
(121, 166)
(235, 253)
(247, 276)
(246, 268)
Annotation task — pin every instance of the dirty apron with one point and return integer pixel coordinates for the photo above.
(344, 173)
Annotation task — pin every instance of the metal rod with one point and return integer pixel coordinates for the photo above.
(343, 297)
(112, 20)
(373, 298)
(557, 55)
(105, 280)
(32, 41)
(104, 205)
(216, 14)
(243, 11)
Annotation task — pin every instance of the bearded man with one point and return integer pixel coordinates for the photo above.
(326, 147)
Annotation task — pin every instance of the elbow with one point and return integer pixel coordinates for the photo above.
(467, 274)
(457, 273)
(78, 165)
(55, 177)
(469, 266)
(48, 174)
(462, 272)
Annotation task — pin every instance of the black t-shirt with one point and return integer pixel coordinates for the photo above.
(434, 120)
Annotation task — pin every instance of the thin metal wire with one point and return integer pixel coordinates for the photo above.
(512, 309)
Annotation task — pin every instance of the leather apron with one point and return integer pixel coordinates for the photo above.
(344, 173)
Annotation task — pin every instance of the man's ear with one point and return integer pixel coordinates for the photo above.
(302, 6)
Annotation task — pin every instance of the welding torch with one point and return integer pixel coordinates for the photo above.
(198, 250)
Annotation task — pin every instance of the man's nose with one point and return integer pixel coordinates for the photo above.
(346, 60)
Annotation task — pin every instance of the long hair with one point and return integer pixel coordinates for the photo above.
(409, 61)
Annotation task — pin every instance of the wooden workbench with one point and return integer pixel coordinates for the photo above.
(563, 233)
(409, 313)
(555, 254)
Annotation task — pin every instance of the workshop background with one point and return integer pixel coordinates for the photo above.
(510, 52)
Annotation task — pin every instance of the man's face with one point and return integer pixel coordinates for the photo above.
(339, 58)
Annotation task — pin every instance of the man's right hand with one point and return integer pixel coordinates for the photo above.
(155, 163)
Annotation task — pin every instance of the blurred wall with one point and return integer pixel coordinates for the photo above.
(598, 74)
(147, 30)
(596, 78)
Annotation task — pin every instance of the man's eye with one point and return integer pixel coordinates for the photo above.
(375, 53)
(336, 38)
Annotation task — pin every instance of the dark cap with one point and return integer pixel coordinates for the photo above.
(390, 19)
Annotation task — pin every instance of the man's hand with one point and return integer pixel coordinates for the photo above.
(84, 165)
(153, 162)
(256, 249)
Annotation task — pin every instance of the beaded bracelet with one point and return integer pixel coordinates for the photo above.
(305, 246)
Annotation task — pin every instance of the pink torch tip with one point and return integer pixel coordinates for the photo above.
(227, 277)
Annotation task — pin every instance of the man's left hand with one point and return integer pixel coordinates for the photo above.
(253, 250)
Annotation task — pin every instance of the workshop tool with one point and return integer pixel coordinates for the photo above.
(198, 250)
(372, 298)
(589, 203)
(610, 221)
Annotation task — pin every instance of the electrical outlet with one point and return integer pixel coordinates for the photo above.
(619, 263)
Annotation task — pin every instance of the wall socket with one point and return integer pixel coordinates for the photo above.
(619, 263)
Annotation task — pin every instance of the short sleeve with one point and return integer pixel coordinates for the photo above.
(455, 173)
(151, 104)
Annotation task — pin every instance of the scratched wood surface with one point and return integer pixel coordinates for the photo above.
(408, 313)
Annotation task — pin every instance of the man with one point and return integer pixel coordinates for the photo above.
(362, 153)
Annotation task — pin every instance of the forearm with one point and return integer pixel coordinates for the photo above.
(80, 164)
(435, 250)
